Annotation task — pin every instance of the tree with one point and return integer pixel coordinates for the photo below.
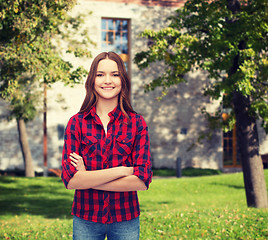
(228, 39)
(31, 33)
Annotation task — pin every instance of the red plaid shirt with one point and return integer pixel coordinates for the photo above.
(126, 144)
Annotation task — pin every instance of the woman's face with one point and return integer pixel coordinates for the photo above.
(107, 82)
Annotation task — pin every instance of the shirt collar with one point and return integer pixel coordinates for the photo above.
(115, 114)
(91, 112)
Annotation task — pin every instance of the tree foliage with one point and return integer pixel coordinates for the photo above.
(31, 35)
(230, 45)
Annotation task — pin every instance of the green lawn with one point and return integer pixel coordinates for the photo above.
(208, 207)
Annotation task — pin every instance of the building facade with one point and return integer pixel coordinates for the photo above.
(174, 122)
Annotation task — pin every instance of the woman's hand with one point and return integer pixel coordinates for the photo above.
(77, 161)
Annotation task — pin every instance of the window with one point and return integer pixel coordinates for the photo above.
(115, 37)
(231, 154)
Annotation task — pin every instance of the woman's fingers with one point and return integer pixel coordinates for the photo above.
(73, 159)
(74, 164)
(75, 155)
(77, 161)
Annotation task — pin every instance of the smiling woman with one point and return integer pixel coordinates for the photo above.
(106, 155)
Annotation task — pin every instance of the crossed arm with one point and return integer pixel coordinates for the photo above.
(117, 179)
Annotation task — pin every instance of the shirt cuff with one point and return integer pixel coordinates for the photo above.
(67, 173)
(144, 173)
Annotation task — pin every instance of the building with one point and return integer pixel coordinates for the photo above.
(174, 123)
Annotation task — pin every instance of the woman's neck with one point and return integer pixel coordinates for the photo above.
(103, 107)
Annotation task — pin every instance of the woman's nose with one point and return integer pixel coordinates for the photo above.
(107, 79)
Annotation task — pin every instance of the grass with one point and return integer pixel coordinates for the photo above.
(208, 207)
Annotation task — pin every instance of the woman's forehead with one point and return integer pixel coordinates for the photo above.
(107, 65)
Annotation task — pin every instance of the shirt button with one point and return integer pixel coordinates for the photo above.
(123, 141)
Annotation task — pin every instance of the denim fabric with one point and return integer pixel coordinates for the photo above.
(86, 230)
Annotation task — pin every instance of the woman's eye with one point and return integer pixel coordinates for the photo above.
(116, 75)
(99, 75)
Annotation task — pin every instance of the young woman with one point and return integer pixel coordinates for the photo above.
(106, 156)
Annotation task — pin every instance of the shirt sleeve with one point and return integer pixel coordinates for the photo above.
(141, 154)
(71, 144)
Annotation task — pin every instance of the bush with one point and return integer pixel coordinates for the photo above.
(186, 172)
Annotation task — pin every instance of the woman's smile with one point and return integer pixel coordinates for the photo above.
(108, 88)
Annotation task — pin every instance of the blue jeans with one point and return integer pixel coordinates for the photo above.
(86, 230)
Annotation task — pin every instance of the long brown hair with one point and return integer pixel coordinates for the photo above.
(91, 95)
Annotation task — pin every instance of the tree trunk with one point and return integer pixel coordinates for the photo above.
(248, 141)
(247, 133)
(25, 149)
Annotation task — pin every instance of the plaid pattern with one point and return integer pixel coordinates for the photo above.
(126, 144)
